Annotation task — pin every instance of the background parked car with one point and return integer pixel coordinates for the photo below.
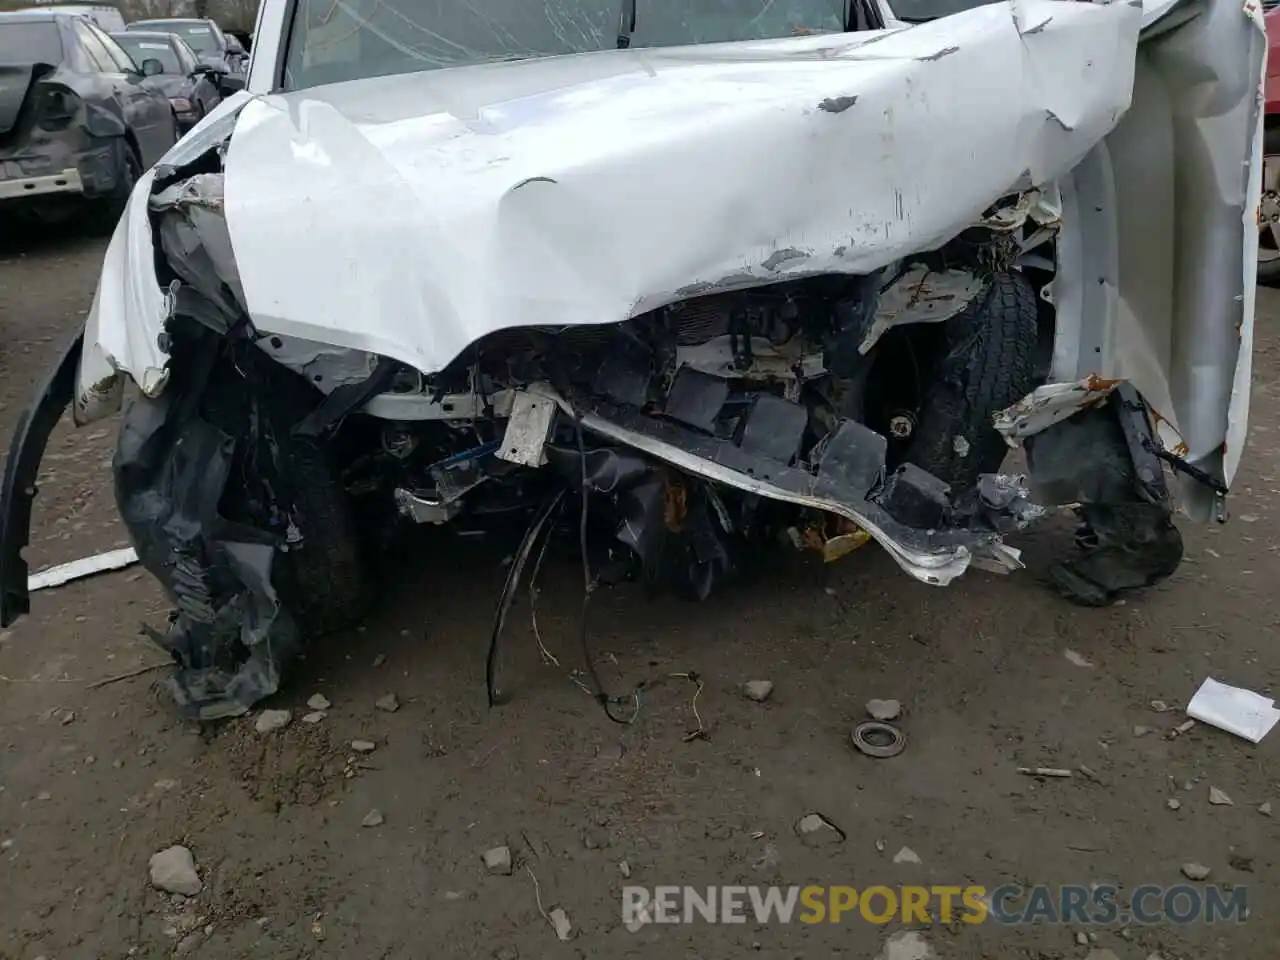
(190, 85)
(204, 37)
(76, 119)
(106, 17)
(1269, 210)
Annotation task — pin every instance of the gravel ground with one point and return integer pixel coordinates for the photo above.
(95, 780)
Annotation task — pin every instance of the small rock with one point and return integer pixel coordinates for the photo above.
(624, 868)
(271, 720)
(1265, 809)
(174, 871)
(1077, 659)
(363, 746)
(498, 860)
(884, 710)
(373, 818)
(590, 840)
(68, 716)
(906, 855)
(44, 795)
(165, 785)
(1240, 862)
(389, 703)
(906, 945)
(880, 846)
(1195, 871)
(560, 922)
(1173, 803)
(1219, 798)
(318, 701)
(758, 690)
(1141, 731)
(815, 830)
(315, 716)
(188, 943)
(380, 659)
(1159, 706)
(1082, 938)
(6, 844)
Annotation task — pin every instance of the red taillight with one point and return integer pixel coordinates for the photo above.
(55, 107)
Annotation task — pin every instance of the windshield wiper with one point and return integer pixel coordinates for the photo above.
(626, 23)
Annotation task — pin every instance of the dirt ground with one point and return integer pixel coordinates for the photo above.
(94, 780)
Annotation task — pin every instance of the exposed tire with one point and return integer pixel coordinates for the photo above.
(989, 364)
(320, 580)
(1269, 230)
(111, 207)
(323, 582)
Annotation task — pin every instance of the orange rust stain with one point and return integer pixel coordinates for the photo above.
(1096, 383)
(675, 504)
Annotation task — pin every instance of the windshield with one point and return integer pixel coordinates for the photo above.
(31, 42)
(149, 50)
(333, 40)
(199, 36)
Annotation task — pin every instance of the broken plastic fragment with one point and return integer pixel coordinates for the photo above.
(56, 576)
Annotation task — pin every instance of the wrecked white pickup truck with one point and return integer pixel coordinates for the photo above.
(684, 277)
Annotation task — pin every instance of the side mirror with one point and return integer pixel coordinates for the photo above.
(229, 83)
(151, 67)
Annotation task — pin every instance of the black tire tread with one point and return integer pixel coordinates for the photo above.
(989, 365)
(323, 583)
(111, 208)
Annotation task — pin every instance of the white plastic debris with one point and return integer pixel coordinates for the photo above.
(56, 576)
(1242, 712)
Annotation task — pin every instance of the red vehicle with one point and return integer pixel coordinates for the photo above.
(1269, 209)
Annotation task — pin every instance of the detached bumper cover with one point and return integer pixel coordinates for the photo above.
(21, 470)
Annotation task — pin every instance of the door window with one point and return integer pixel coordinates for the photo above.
(99, 61)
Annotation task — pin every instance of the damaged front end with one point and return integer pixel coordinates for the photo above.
(871, 393)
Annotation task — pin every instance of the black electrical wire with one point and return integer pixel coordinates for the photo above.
(507, 597)
(588, 586)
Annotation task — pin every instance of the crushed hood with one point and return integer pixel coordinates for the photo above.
(410, 215)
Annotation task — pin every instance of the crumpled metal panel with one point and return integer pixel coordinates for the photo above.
(229, 635)
(410, 215)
